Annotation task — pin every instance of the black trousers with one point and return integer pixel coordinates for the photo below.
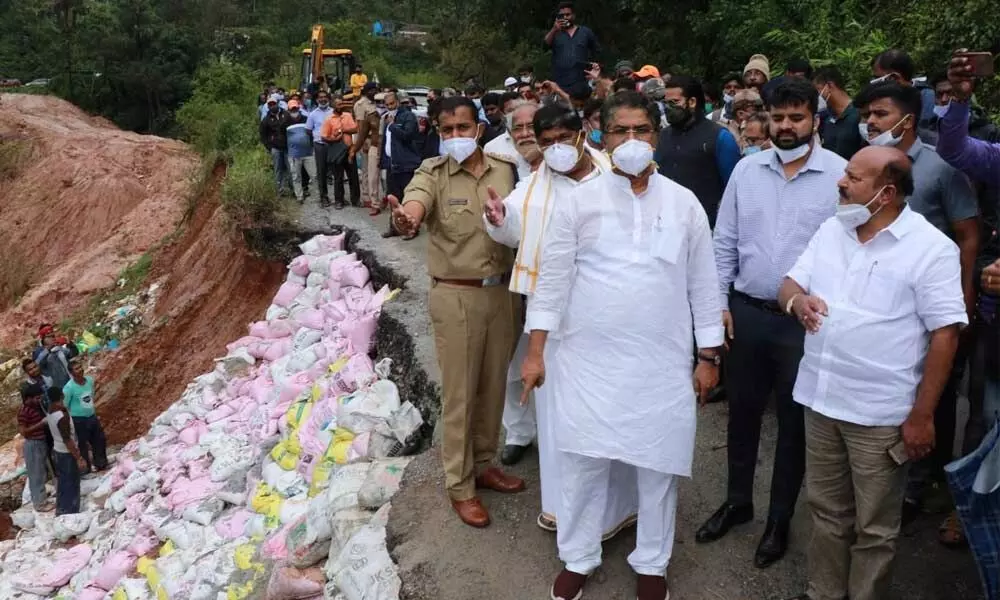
(764, 358)
(322, 170)
(341, 168)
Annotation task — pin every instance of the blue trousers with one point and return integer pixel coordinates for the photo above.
(67, 484)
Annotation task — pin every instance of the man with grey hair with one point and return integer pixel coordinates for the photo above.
(518, 144)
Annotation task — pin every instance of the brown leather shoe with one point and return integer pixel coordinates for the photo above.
(568, 586)
(472, 512)
(651, 587)
(498, 481)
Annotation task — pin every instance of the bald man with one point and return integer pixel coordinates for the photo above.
(879, 292)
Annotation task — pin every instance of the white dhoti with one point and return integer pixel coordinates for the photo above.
(586, 489)
(518, 421)
(622, 493)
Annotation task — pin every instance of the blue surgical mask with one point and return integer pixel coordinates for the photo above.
(751, 150)
(595, 136)
(941, 111)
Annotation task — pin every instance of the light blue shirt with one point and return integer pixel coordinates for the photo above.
(315, 122)
(766, 221)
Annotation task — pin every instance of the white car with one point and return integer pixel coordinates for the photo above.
(38, 83)
(418, 93)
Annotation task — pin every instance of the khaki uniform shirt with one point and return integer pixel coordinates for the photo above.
(453, 201)
(363, 108)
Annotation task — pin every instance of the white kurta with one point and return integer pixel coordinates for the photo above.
(533, 216)
(627, 280)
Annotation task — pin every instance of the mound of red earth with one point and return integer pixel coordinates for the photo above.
(90, 200)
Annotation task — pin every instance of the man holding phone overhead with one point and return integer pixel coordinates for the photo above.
(574, 48)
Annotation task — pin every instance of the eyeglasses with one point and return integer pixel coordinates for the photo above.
(641, 131)
(565, 15)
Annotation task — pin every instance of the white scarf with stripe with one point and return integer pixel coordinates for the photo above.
(535, 210)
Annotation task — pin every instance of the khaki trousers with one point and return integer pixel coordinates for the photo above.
(371, 193)
(855, 493)
(475, 330)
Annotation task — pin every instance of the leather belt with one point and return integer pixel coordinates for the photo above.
(491, 281)
(770, 306)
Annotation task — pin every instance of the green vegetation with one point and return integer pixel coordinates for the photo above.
(92, 316)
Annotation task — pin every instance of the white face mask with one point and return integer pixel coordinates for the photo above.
(883, 139)
(941, 111)
(822, 101)
(459, 148)
(727, 98)
(632, 157)
(793, 154)
(561, 158)
(853, 216)
(526, 78)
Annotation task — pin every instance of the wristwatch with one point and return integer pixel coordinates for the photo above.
(715, 359)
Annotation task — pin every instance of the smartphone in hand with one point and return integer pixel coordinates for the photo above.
(898, 454)
(981, 62)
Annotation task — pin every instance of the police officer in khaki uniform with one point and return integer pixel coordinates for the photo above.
(476, 319)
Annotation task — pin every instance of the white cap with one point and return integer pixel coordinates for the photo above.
(509, 82)
(274, 98)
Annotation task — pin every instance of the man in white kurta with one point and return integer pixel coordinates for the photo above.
(628, 279)
(520, 221)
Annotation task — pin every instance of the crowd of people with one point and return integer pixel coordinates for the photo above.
(776, 237)
(63, 437)
(607, 246)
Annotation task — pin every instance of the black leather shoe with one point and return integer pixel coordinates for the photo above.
(724, 519)
(512, 454)
(772, 545)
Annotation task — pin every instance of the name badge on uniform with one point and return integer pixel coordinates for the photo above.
(458, 201)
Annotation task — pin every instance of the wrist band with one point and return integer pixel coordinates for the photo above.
(788, 305)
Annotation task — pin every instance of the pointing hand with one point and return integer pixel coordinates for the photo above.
(495, 210)
(403, 222)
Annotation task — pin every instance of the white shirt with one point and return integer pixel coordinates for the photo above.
(58, 444)
(885, 297)
(504, 146)
(630, 282)
(528, 212)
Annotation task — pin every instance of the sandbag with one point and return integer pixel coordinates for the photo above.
(290, 583)
(115, 568)
(374, 577)
(287, 293)
(382, 482)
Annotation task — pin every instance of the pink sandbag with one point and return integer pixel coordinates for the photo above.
(330, 243)
(190, 435)
(357, 299)
(67, 564)
(275, 546)
(219, 414)
(287, 293)
(198, 469)
(335, 311)
(135, 505)
(354, 275)
(270, 330)
(359, 368)
(170, 473)
(310, 317)
(361, 331)
(258, 330)
(319, 417)
(299, 265)
(190, 491)
(115, 568)
(277, 349)
(232, 526)
(294, 385)
(243, 342)
(289, 583)
(144, 542)
(260, 389)
(92, 593)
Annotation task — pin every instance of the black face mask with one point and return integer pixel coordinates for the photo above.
(677, 115)
(273, 109)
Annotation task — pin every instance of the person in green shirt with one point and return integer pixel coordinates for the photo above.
(79, 396)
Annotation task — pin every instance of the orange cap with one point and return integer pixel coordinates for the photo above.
(647, 71)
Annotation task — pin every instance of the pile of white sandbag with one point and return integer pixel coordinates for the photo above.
(269, 478)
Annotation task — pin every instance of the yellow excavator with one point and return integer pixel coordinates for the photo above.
(317, 61)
